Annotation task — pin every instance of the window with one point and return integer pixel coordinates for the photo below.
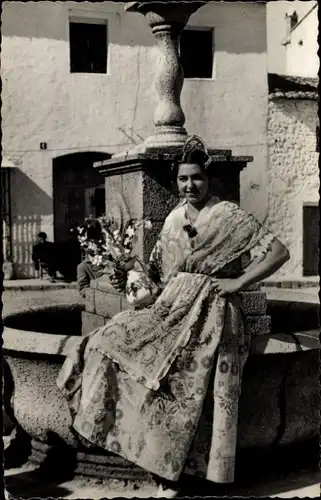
(196, 52)
(88, 47)
(311, 233)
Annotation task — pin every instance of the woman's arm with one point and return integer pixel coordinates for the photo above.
(257, 271)
(276, 256)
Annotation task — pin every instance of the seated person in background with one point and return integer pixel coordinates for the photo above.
(87, 271)
(43, 256)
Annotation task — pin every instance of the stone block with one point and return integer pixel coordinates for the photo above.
(104, 285)
(90, 300)
(253, 288)
(124, 304)
(133, 192)
(107, 304)
(90, 322)
(254, 303)
(258, 325)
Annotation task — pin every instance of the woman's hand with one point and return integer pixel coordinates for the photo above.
(225, 287)
(118, 279)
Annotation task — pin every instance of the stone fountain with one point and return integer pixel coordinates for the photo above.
(279, 407)
(280, 400)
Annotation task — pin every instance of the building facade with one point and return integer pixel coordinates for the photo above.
(293, 174)
(292, 31)
(78, 86)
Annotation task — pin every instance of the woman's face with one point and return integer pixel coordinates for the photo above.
(192, 182)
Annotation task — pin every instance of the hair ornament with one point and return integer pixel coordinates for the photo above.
(193, 146)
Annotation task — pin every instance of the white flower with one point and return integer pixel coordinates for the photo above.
(97, 260)
(130, 231)
(148, 224)
(92, 246)
(126, 241)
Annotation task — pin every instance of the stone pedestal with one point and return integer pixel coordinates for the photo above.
(101, 303)
(143, 185)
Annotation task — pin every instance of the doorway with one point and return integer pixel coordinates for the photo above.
(78, 193)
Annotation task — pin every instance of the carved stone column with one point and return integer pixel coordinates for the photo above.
(167, 21)
(143, 176)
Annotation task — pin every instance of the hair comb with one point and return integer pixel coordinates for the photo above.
(195, 144)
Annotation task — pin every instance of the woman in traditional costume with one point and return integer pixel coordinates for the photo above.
(160, 385)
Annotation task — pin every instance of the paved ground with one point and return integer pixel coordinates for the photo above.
(14, 300)
(36, 284)
(22, 484)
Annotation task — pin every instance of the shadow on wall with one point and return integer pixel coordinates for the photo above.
(241, 28)
(29, 204)
(49, 20)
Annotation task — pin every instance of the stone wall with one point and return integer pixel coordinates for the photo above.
(101, 303)
(293, 174)
(43, 102)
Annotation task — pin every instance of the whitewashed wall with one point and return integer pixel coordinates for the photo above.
(43, 102)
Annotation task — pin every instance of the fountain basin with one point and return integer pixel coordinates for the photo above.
(280, 402)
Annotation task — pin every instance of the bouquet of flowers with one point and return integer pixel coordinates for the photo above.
(102, 239)
(110, 247)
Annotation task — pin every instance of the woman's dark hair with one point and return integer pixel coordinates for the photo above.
(197, 156)
(195, 151)
(42, 235)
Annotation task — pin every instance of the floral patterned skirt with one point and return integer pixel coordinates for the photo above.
(189, 424)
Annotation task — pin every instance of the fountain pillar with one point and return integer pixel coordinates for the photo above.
(142, 177)
(167, 21)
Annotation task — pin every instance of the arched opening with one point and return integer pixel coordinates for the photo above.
(78, 192)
